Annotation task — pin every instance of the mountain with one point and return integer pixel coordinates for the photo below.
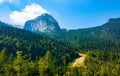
(43, 23)
(33, 45)
(41, 56)
(4, 24)
(104, 37)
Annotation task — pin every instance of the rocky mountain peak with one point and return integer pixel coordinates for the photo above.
(43, 23)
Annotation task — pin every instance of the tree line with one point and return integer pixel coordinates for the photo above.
(99, 63)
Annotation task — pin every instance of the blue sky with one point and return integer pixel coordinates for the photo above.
(71, 14)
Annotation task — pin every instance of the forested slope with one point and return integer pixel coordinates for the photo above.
(104, 37)
(33, 45)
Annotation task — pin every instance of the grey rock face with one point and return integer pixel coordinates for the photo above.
(43, 23)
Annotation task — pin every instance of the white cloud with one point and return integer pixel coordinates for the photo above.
(9, 1)
(28, 13)
(1, 1)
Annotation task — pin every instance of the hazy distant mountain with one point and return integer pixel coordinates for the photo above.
(43, 23)
(4, 24)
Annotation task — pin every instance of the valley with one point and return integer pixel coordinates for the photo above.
(52, 51)
(59, 37)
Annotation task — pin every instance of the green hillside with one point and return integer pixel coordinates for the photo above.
(104, 37)
(33, 45)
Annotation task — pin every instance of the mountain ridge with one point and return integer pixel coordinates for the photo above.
(104, 37)
(107, 34)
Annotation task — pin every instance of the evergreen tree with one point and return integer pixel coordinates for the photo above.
(3, 55)
(46, 64)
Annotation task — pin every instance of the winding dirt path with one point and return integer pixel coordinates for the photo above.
(80, 61)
